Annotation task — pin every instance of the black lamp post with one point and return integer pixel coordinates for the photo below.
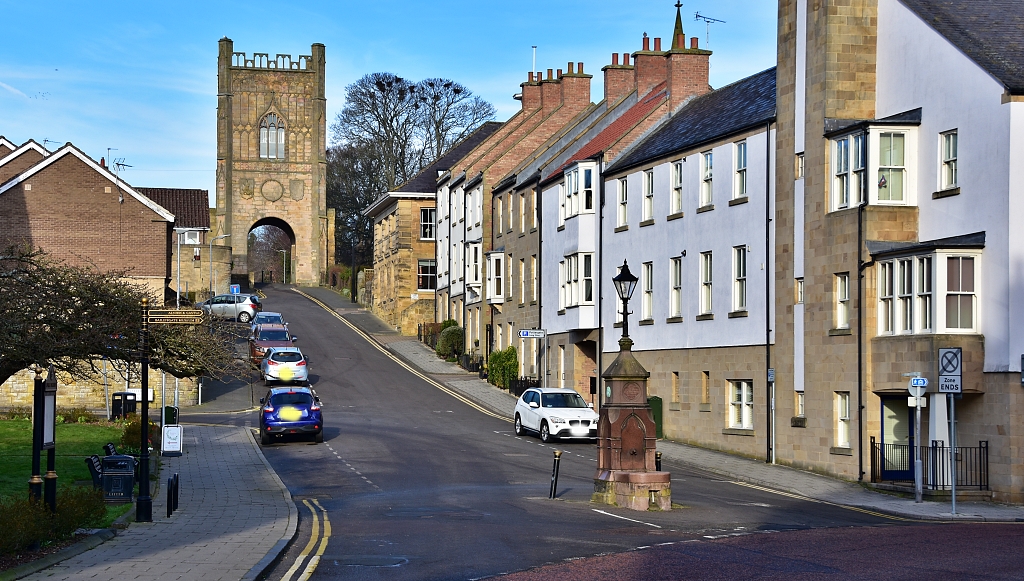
(35, 483)
(625, 284)
(144, 505)
(49, 423)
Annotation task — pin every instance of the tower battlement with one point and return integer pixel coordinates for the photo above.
(262, 60)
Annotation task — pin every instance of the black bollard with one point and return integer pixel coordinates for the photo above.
(657, 461)
(554, 474)
(170, 496)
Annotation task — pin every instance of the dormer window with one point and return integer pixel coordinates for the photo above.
(271, 137)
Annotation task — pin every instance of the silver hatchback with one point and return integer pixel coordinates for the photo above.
(242, 308)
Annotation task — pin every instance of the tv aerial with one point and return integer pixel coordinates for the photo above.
(708, 21)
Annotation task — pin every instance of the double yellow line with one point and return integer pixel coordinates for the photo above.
(408, 367)
(314, 537)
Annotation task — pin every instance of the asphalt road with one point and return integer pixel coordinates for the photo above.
(416, 484)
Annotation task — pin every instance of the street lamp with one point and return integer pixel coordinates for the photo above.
(284, 266)
(625, 284)
(211, 264)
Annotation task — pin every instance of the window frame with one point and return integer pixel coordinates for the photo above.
(972, 293)
(739, 272)
(842, 300)
(272, 128)
(422, 276)
(741, 409)
(842, 411)
(676, 200)
(707, 162)
(428, 217)
(740, 166)
(892, 168)
(948, 178)
(706, 282)
(648, 190)
(622, 213)
(647, 286)
(588, 190)
(675, 308)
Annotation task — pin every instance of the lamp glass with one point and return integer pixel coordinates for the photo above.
(625, 282)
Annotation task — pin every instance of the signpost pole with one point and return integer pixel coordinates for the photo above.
(547, 360)
(952, 449)
(917, 452)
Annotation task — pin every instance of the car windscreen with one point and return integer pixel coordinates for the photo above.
(274, 336)
(291, 399)
(563, 400)
(287, 357)
(273, 319)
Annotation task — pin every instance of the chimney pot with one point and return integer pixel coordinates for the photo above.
(647, 43)
(693, 42)
(579, 68)
(103, 162)
(625, 59)
(570, 69)
(559, 75)
(681, 41)
(615, 58)
(549, 74)
(657, 44)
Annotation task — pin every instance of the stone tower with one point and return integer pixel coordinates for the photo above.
(271, 158)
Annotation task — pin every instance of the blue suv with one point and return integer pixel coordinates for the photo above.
(291, 410)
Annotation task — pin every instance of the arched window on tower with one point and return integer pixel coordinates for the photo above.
(272, 137)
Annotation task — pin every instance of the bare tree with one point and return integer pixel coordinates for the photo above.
(72, 316)
(355, 178)
(449, 113)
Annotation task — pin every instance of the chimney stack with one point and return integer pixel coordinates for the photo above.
(650, 68)
(576, 87)
(618, 79)
(531, 92)
(687, 73)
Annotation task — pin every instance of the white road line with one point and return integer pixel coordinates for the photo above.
(629, 519)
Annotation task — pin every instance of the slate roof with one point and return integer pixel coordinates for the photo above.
(989, 32)
(879, 249)
(191, 208)
(734, 108)
(616, 129)
(426, 180)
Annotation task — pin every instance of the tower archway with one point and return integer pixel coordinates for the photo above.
(270, 251)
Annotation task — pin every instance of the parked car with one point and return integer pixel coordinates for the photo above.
(290, 410)
(242, 308)
(265, 337)
(555, 413)
(285, 365)
(264, 317)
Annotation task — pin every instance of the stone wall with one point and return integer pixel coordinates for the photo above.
(17, 391)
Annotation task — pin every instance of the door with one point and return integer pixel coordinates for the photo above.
(219, 306)
(897, 439)
(532, 419)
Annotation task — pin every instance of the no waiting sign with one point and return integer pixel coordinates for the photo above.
(951, 370)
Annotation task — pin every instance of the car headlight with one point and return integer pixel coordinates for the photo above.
(557, 420)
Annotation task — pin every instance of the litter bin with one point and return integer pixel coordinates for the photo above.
(122, 403)
(118, 478)
(170, 415)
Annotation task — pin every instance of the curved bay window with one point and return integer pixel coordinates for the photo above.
(272, 137)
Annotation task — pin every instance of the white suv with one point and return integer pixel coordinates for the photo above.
(555, 413)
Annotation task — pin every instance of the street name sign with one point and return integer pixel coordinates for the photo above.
(531, 333)
(175, 316)
(950, 370)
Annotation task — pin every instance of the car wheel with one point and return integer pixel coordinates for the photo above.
(519, 425)
(244, 317)
(319, 437)
(266, 380)
(545, 433)
(264, 438)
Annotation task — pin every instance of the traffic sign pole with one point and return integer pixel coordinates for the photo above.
(917, 388)
(952, 449)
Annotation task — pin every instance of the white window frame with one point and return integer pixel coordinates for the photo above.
(578, 279)
(961, 293)
(799, 290)
(801, 407)
(842, 294)
(676, 202)
(561, 285)
(740, 178)
(272, 137)
(706, 281)
(886, 297)
(707, 178)
(533, 278)
(587, 298)
(842, 419)
(741, 404)
(561, 204)
(675, 306)
(905, 295)
(849, 167)
(739, 273)
(948, 144)
(895, 166)
(496, 273)
(622, 215)
(522, 212)
(522, 280)
(500, 211)
(588, 189)
(647, 282)
(190, 236)
(925, 293)
(428, 230)
(648, 207)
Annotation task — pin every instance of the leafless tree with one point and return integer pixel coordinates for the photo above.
(449, 112)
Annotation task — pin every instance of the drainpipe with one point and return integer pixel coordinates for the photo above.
(861, 265)
(600, 278)
(537, 292)
(769, 273)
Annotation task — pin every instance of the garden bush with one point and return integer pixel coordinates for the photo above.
(16, 413)
(451, 342)
(449, 323)
(129, 443)
(77, 416)
(26, 521)
(502, 367)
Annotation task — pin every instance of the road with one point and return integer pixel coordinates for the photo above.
(412, 483)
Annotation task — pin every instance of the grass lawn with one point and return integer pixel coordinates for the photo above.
(74, 443)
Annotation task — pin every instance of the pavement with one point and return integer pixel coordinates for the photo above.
(750, 471)
(235, 515)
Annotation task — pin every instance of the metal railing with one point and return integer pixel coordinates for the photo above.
(894, 463)
(518, 386)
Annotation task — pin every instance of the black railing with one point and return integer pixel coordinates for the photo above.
(470, 363)
(518, 386)
(894, 463)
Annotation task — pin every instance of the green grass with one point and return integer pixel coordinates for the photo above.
(73, 443)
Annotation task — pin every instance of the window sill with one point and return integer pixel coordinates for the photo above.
(421, 240)
(675, 216)
(673, 406)
(622, 228)
(509, 231)
(560, 312)
(477, 224)
(559, 229)
(706, 208)
(521, 234)
(532, 230)
(617, 325)
(840, 451)
(532, 303)
(798, 422)
(839, 332)
(674, 320)
(704, 407)
(738, 431)
(946, 193)
(499, 236)
(649, 222)
(521, 305)
(645, 322)
(738, 201)
(737, 314)
(706, 317)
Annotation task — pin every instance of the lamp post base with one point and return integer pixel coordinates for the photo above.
(633, 490)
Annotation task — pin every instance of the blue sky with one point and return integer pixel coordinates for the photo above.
(141, 77)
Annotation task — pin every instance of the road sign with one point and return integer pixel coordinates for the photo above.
(950, 370)
(771, 374)
(235, 289)
(531, 333)
(175, 317)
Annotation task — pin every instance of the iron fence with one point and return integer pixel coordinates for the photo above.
(518, 386)
(894, 463)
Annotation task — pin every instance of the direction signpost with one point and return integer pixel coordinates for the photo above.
(951, 383)
(918, 386)
(176, 317)
(538, 334)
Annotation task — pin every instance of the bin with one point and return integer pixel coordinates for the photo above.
(656, 414)
(122, 403)
(170, 415)
(118, 478)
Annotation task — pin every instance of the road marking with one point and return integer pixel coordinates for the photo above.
(313, 537)
(311, 566)
(836, 504)
(408, 367)
(629, 519)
